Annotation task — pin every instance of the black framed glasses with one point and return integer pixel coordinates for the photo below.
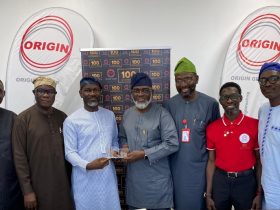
(90, 90)
(145, 91)
(233, 97)
(272, 80)
(41, 91)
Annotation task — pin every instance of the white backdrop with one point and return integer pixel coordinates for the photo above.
(198, 29)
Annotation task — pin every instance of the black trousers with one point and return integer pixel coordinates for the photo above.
(233, 191)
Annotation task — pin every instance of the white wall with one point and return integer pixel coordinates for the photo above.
(198, 29)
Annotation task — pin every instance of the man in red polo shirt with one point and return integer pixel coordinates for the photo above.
(233, 168)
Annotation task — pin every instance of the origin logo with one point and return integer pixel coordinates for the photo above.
(46, 45)
(259, 43)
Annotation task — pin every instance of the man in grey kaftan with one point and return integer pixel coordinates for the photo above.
(149, 133)
(192, 111)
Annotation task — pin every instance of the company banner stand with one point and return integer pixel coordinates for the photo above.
(256, 41)
(47, 44)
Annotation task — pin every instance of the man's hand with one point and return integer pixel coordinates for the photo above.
(257, 202)
(210, 203)
(98, 164)
(135, 155)
(114, 153)
(124, 151)
(30, 201)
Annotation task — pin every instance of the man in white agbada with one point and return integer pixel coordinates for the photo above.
(89, 134)
(269, 134)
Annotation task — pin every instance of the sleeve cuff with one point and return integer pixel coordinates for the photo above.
(83, 165)
(117, 149)
(27, 188)
(148, 153)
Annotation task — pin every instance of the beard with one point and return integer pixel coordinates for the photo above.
(142, 105)
(187, 94)
(92, 103)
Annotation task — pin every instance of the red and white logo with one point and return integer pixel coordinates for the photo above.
(255, 42)
(46, 45)
(259, 42)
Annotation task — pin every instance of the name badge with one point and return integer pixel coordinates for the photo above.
(186, 135)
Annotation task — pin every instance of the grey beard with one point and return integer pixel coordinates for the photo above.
(92, 104)
(142, 105)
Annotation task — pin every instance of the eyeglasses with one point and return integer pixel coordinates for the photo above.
(272, 80)
(233, 97)
(42, 92)
(186, 79)
(145, 91)
(94, 91)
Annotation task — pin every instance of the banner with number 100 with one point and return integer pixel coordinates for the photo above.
(115, 67)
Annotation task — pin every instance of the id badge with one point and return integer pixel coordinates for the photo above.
(185, 135)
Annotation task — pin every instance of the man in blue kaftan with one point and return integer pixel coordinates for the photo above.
(90, 134)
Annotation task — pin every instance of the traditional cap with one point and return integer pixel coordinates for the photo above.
(44, 81)
(184, 65)
(89, 80)
(140, 79)
(272, 66)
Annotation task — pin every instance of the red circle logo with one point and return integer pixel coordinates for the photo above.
(46, 45)
(111, 73)
(259, 42)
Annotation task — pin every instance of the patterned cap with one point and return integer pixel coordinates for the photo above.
(44, 81)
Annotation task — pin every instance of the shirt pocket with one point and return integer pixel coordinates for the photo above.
(143, 137)
(199, 126)
(275, 131)
(154, 138)
(5, 137)
(275, 128)
(108, 132)
(150, 137)
(6, 151)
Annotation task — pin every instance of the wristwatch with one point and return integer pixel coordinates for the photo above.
(205, 195)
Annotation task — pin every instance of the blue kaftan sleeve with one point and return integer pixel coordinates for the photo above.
(71, 145)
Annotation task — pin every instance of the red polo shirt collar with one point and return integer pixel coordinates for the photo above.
(237, 121)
